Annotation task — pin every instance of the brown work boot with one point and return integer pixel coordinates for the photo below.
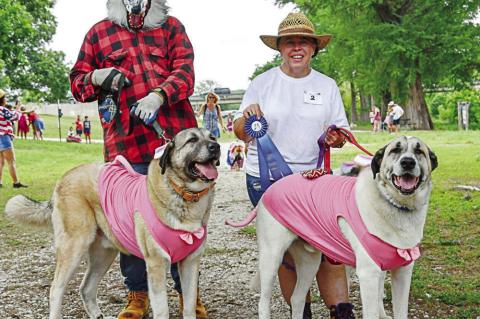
(137, 306)
(200, 310)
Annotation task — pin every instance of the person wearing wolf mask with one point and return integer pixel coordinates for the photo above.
(138, 56)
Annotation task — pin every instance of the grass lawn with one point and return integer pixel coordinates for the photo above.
(448, 274)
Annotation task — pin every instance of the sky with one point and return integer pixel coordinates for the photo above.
(224, 33)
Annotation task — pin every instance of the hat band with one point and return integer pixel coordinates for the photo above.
(294, 31)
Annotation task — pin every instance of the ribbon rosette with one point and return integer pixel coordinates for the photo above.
(410, 254)
(255, 127)
(188, 237)
(270, 161)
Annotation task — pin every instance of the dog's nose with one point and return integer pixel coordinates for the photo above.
(213, 147)
(408, 163)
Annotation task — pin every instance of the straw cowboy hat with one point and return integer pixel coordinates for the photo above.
(2, 93)
(296, 24)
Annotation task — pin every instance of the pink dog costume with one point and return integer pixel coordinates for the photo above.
(310, 208)
(123, 192)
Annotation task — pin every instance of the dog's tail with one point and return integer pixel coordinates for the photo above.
(27, 211)
(244, 222)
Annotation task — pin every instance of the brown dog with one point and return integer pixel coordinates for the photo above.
(180, 189)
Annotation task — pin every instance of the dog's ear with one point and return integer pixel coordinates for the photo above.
(165, 159)
(377, 161)
(433, 159)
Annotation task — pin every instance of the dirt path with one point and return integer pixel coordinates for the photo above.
(229, 264)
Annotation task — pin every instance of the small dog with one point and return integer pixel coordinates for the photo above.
(176, 197)
(236, 155)
(377, 217)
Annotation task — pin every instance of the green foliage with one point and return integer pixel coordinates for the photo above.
(443, 107)
(384, 46)
(26, 64)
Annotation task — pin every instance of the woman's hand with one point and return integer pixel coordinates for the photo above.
(335, 139)
(252, 109)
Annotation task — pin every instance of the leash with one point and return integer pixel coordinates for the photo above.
(324, 153)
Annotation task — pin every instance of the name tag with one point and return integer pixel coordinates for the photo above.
(312, 98)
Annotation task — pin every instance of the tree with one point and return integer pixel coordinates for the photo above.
(205, 86)
(395, 48)
(26, 27)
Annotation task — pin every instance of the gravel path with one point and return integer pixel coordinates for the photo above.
(227, 268)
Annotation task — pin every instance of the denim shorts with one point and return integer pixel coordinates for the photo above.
(254, 189)
(6, 142)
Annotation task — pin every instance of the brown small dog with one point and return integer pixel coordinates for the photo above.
(236, 155)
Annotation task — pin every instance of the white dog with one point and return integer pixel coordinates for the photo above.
(392, 198)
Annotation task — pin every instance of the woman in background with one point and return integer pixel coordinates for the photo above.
(212, 114)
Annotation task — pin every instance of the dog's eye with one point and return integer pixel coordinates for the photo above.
(419, 151)
(213, 138)
(193, 140)
(395, 150)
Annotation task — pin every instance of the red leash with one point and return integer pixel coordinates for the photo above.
(324, 155)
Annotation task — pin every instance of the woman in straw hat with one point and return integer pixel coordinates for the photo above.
(7, 153)
(299, 104)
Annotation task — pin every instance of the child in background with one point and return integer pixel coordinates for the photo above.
(79, 126)
(23, 124)
(87, 126)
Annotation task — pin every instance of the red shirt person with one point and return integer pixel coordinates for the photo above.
(139, 56)
(159, 58)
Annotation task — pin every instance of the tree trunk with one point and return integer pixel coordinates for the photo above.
(353, 110)
(386, 97)
(416, 109)
(364, 107)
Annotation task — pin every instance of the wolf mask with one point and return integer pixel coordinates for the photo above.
(137, 15)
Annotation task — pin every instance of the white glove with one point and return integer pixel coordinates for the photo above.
(148, 106)
(99, 76)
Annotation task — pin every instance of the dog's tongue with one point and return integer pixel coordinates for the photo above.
(208, 170)
(406, 182)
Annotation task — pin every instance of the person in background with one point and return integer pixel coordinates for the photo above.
(396, 113)
(70, 132)
(212, 114)
(299, 104)
(87, 126)
(139, 55)
(230, 122)
(7, 152)
(78, 126)
(38, 125)
(23, 124)
(376, 118)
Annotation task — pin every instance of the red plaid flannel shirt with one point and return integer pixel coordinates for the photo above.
(157, 58)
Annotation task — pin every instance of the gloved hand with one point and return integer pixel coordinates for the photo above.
(109, 79)
(148, 106)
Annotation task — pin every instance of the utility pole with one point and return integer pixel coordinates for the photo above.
(60, 114)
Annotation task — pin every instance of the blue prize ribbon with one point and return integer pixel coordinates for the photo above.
(270, 160)
(255, 127)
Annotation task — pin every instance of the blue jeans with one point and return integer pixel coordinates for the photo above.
(133, 268)
(254, 189)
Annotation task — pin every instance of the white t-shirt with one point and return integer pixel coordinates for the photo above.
(397, 112)
(298, 111)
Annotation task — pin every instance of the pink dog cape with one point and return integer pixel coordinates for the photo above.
(311, 208)
(123, 192)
